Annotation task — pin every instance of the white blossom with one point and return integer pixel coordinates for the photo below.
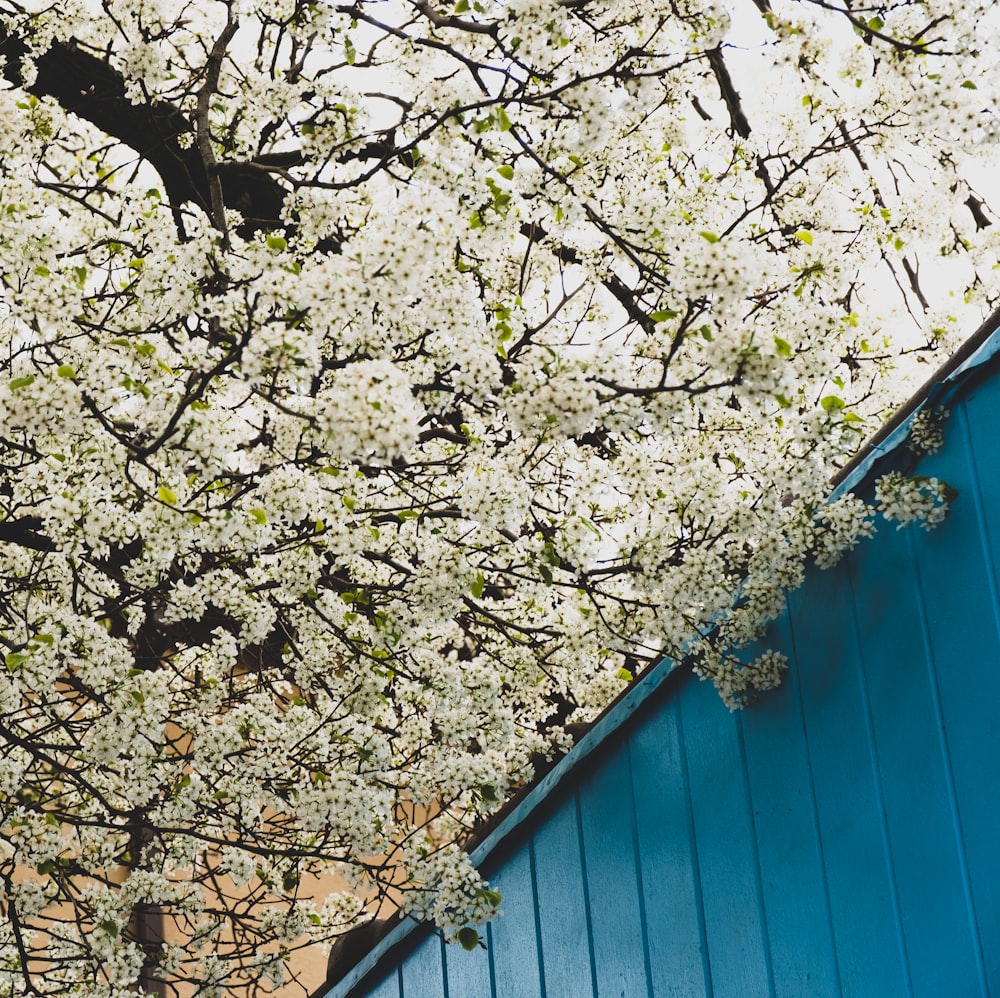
(927, 431)
(912, 500)
(374, 401)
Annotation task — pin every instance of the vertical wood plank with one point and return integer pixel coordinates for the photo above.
(422, 971)
(977, 420)
(788, 843)
(666, 848)
(727, 859)
(958, 599)
(859, 887)
(914, 783)
(562, 904)
(468, 972)
(608, 833)
(514, 943)
(387, 987)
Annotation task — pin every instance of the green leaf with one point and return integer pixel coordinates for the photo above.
(969, 85)
(468, 938)
(506, 171)
(783, 400)
(782, 346)
(831, 403)
(710, 236)
(805, 237)
(478, 584)
(876, 23)
(259, 516)
(166, 494)
(503, 122)
(852, 417)
(65, 371)
(276, 243)
(625, 676)
(663, 314)
(14, 660)
(462, 7)
(18, 383)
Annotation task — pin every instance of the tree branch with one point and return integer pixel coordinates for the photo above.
(205, 94)
(24, 533)
(729, 93)
(613, 283)
(87, 87)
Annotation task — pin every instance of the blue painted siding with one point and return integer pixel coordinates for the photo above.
(840, 837)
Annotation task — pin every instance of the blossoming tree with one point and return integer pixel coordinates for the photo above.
(385, 383)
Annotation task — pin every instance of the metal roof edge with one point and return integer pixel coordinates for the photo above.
(612, 718)
(343, 987)
(518, 809)
(938, 391)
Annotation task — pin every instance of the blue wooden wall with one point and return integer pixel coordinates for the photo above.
(840, 837)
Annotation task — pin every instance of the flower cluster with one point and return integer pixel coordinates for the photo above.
(451, 893)
(739, 683)
(843, 524)
(918, 499)
(927, 431)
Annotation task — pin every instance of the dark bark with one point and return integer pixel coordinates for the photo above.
(976, 206)
(86, 86)
(730, 94)
(25, 533)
